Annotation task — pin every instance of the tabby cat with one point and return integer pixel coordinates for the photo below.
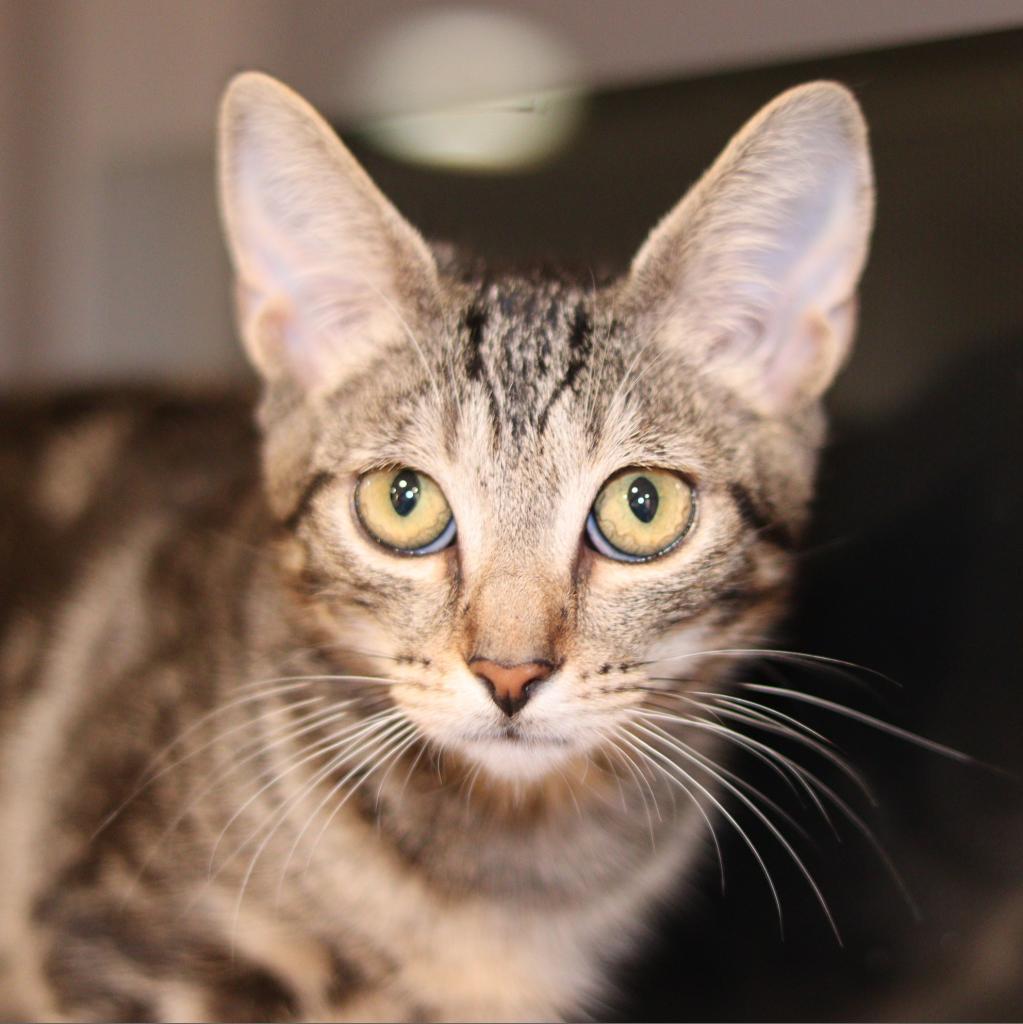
(393, 712)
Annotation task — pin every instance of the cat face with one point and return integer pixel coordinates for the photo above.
(530, 501)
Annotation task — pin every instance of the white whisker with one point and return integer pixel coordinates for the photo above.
(411, 769)
(148, 779)
(779, 763)
(469, 783)
(727, 773)
(618, 779)
(769, 824)
(826, 752)
(324, 677)
(571, 793)
(765, 710)
(388, 743)
(668, 767)
(415, 736)
(370, 733)
(781, 655)
(859, 716)
(281, 814)
(747, 744)
(811, 779)
(641, 776)
(360, 728)
(302, 725)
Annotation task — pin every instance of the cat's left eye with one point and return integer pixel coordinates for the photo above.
(641, 514)
(404, 510)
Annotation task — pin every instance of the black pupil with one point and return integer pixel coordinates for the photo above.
(405, 492)
(643, 499)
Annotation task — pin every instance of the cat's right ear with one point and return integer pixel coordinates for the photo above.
(327, 271)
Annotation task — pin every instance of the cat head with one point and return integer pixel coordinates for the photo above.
(535, 499)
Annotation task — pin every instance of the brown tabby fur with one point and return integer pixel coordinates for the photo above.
(182, 624)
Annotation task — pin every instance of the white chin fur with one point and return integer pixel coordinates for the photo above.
(517, 761)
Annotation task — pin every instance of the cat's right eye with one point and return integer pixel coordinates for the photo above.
(404, 510)
(641, 514)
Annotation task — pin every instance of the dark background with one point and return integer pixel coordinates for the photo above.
(914, 567)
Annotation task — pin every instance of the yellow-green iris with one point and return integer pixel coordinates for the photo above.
(405, 510)
(641, 513)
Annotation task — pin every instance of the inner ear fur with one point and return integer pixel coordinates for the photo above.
(327, 270)
(754, 273)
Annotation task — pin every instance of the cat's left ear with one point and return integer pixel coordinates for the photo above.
(328, 272)
(755, 271)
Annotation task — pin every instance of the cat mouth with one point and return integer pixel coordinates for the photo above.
(514, 734)
(514, 752)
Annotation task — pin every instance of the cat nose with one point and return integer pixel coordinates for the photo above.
(510, 686)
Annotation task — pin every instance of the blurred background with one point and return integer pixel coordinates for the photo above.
(558, 129)
(563, 130)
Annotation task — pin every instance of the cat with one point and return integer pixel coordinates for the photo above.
(389, 708)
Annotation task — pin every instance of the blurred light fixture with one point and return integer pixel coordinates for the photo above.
(469, 88)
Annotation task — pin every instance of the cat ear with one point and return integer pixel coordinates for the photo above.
(756, 268)
(327, 270)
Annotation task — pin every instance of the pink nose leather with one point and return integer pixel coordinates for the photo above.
(510, 686)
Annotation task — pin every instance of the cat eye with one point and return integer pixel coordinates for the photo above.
(641, 514)
(405, 510)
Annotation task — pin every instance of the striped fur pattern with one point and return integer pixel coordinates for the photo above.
(248, 773)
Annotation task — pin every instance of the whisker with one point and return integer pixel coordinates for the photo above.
(309, 722)
(375, 731)
(281, 814)
(781, 655)
(826, 752)
(416, 736)
(727, 773)
(713, 833)
(725, 813)
(349, 649)
(860, 716)
(328, 678)
(824, 748)
(618, 779)
(809, 778)
(778, 762)
(641, 779)
(389, 742)
(653, 796)
(411, 769)
(265, 842)
(344, 648)
(685, 721)
(687, 753)
(765, 710)
(149, 779)
(872, 839)
(571, 792)
(319, 749)
(469, 783)
(334, 742)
